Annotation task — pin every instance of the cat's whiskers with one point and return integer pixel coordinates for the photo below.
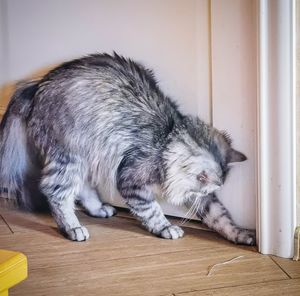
(198, 205)
(191, 212)
(183, 220)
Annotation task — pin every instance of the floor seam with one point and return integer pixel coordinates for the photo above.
(282, 269)
(225, 287)
(10, 229)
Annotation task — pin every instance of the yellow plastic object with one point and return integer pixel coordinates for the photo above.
(13, 269)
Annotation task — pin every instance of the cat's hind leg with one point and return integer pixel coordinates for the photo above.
(62, 180)
(90, 201)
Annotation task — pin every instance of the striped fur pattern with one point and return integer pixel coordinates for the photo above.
(212, 213)
(102, 122)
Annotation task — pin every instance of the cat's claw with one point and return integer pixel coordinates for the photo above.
(246, 237)
(78, 234)
(172, 232)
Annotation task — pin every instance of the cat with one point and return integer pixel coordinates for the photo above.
(102, 120)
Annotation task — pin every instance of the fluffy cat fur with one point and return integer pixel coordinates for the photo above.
(102, 120)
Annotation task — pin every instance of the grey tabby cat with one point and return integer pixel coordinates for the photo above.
(101, 121)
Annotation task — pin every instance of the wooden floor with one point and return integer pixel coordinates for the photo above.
(122, 259)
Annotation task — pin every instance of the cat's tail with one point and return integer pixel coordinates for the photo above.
(15, 158)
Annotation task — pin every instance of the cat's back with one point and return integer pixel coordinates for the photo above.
(100, 76)
(103, 82)
(105, 93)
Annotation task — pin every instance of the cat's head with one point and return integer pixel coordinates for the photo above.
(198, 160)
(217, 159)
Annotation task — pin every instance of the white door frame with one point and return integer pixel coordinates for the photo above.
(276, 127)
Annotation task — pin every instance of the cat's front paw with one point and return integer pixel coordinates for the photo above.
(172, 232)
(78, 234)
(246, 237)
(105, 211)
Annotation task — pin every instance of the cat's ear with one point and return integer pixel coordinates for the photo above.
(235, 156)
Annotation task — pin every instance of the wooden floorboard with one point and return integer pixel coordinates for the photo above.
(292, 268)
(121, 258)
(144, 275)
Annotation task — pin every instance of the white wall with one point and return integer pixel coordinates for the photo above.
(298, 106)
(3, 75)
(161, 34)
(234, 69)
(170, 36)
